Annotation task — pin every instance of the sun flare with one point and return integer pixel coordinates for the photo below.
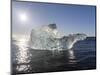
(23, 17)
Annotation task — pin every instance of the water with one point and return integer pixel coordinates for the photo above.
(25, 60)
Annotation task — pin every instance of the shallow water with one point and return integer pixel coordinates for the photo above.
(81, 57)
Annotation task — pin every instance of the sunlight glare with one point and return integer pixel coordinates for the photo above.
(23, 17)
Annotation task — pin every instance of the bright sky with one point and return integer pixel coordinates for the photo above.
(69, 18)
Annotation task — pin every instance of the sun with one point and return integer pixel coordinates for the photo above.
(23, 17)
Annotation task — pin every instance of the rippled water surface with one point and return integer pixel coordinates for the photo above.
(26, 60)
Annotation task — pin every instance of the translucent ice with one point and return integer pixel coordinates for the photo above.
(48, 38)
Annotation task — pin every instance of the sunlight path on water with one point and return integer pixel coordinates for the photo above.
(23, 54)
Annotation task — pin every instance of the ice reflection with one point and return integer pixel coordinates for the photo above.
(71, 56)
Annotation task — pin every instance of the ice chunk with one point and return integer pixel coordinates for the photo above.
(48, 38)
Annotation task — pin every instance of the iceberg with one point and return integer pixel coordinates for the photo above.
(49, 38)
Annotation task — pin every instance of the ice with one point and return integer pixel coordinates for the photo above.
(49, 38)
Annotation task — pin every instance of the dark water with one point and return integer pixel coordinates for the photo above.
(25, 60)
